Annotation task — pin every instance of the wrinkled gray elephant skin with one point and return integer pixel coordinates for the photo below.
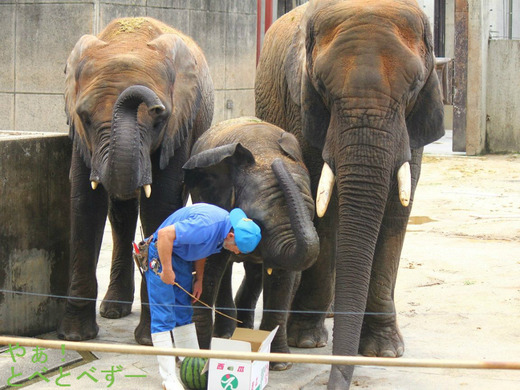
(355, 82)
(257, 167)
(136, 97)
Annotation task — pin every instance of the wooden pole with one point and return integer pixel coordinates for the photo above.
(273, 357)
(460, 98)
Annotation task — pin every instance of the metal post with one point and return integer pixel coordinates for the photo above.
(268, 14)
(439, 28)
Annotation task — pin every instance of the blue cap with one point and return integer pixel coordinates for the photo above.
(247, 233)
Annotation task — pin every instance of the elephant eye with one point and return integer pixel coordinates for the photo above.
(85, 118)
(160, 121)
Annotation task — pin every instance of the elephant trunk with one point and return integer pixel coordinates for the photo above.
(128, 162)
(363, 182)
(300, 251)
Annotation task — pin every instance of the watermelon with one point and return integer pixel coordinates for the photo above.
(191, 376)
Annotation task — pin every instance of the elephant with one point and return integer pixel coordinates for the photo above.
(137, 97)
(355, 82)
(258, 167)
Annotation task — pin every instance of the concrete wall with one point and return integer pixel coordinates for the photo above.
(492, 112)
(503, 99)
(34, 230)
(36, 37)
(478, 34)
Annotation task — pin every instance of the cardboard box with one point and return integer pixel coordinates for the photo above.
(240, 374)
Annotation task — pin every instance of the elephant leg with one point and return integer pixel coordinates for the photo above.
(248, 294)
(166, 198)
(316, 291)
(120, 294)
(278, 293)
(224, 326)
(203, 316)
(142, 333)
(380, 335)
(88, 217)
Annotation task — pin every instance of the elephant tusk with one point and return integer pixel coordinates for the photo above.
(189, 201)
(324, 190)
(147, 190)
(269, 271)
(94, 184)
(404, 181)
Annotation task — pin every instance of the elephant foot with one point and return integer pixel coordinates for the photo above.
(224, 327)
(247, 317)
(143, 334)
(116, 305)
(279, 345)
(222, 333)
(381, 341)
(78, 324)
(279, 366)
(302, 334)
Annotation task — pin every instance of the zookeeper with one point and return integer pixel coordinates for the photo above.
(181, 244)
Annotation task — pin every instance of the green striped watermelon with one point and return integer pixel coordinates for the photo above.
(190, 373)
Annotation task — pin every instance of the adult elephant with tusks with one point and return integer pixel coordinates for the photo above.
(355, 82)
(258, 167)
(137, 96)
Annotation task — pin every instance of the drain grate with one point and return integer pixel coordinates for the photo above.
(20, 365)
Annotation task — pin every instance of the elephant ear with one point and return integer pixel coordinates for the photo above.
(294, 64)
(186, 92)
(73, 70)
(425, 116)
(289, 144)
(217, 155)
(425, 121)
(315, 115)
(209, 174)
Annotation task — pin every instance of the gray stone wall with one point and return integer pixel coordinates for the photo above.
(36, 37)
(34, 230)
(503, 99)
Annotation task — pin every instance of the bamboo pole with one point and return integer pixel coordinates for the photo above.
(273, 357)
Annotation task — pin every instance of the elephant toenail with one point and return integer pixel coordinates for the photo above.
(388, 353)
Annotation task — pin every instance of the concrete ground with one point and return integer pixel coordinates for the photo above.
(457, 294)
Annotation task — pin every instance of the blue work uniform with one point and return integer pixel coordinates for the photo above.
(200, 231)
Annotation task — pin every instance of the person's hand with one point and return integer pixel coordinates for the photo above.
(197, 289)
(167, 276)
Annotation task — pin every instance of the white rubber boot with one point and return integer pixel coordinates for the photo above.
(166, 362)
(186, 337)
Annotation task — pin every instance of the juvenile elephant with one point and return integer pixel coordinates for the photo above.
(137, 96)
(257, 167)
(355, 82)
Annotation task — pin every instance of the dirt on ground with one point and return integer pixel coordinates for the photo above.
(458, 287)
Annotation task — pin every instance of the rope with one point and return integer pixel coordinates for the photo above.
(273, 357)
(17, 292)
(205, 304)
(369, 313)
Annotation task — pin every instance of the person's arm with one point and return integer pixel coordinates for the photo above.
(165, 238)
(199, 276)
